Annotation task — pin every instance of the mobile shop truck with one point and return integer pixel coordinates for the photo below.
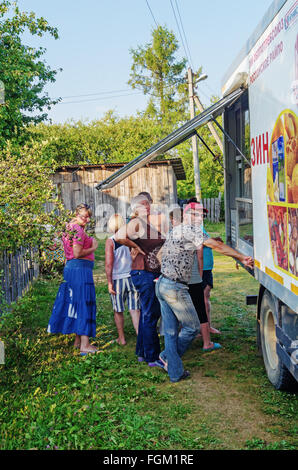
(261, 181)
(260, 123)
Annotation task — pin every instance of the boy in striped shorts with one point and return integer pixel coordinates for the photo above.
(118, 266)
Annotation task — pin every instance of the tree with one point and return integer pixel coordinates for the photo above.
(23, 73)
(156, 71)
(25, 188)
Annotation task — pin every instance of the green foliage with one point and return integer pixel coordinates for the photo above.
(120, 140)
(23, 72)
(157, 72)
(109, 140)
(25, 188)
(211, 172)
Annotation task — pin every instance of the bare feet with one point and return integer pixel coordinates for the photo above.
(121, 342)
(89, 349)
(77, 343)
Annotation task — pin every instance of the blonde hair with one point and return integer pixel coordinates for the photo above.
(84, 206)
(116, 221)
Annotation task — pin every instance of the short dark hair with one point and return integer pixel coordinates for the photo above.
(147, 195)
(176, 214)
(192, 199)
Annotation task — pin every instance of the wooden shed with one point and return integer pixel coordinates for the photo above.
(77, 184)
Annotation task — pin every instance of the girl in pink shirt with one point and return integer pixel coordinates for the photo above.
(76, 235)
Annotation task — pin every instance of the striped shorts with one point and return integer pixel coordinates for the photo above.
(125, 290)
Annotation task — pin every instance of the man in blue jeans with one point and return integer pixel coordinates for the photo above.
(140, 232)
(177, 308)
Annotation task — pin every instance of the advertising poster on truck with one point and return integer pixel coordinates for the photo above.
(273, 83)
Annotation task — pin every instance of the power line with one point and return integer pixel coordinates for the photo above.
(94, 94)
(107, 92)
(211, 90)
(99, 99)
(151, 13)
(188, 58)
(184, 33)
(205, 94)
(188, 54)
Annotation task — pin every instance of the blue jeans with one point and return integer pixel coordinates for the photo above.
(148, 345)
(176, 309)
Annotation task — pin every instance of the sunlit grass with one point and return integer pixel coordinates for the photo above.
(52, 398)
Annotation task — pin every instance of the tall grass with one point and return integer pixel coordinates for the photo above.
(52, 398)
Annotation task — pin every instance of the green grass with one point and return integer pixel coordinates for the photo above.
(52, 398)
(215, 229)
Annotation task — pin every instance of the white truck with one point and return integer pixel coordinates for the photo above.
(261, 190)
(260, 123)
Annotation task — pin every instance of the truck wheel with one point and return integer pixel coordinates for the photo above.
(277, 373)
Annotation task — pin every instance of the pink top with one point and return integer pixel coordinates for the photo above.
(79, 237)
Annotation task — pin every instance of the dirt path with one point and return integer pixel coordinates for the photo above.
(232, 414)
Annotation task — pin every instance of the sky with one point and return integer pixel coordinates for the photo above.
(95, 38)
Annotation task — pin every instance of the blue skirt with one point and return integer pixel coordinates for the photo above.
(74, 309)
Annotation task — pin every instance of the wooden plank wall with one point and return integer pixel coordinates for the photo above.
(78, 186)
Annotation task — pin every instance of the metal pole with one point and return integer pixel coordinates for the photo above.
(196, 165)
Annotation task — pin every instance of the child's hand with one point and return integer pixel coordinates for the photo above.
(94, 243)
(135, 251)
(111, 288)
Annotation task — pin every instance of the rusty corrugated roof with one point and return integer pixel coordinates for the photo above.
(175, 162)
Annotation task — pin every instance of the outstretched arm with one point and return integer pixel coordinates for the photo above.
(228, 251)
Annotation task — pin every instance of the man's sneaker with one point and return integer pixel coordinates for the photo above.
(156, 363)
(185, 375)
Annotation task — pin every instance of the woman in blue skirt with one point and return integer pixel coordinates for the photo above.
(74, 309)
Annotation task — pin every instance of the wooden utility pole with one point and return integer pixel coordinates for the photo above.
(209, 124)
(196, 165)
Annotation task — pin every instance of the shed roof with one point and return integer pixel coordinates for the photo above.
(175, 162)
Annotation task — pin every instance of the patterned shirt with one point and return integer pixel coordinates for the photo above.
(178, 251)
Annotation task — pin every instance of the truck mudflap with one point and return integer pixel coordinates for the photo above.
(287, 350)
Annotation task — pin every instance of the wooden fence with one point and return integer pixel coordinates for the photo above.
(17, 270)
(213, 207)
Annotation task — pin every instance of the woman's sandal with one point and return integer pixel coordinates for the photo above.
(215, 346)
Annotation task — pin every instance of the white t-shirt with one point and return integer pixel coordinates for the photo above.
(122, 261)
